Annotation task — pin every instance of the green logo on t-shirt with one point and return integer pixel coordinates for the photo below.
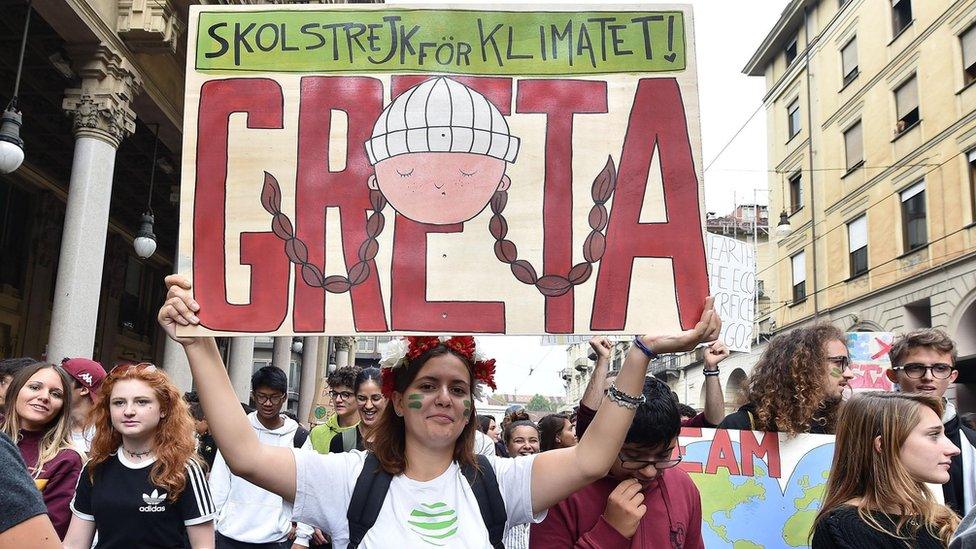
(434, 522)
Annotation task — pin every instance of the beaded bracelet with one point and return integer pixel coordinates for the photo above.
(640, 345)
(621, 398)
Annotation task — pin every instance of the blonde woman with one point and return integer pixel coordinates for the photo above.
(888, 446)
(39, 420)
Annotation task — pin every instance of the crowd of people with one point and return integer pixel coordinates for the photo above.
(123, 459)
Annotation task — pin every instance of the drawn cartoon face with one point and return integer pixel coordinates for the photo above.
(439, 151)
(440, 188)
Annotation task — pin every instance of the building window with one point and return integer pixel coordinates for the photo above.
(799, 277)
(906, 103)
(796, 193)
(790, 52)
(913, 217)
(365, 344)
(968, 40)
(971, 157)
(16, 217)
(793, 116)
(854, 146)
(848, 59)
(901, 15)
(857, 240)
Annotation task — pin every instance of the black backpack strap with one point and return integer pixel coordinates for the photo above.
(484, 485)
(367, 499)
(301, 435)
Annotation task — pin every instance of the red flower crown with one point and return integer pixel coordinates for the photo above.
(401, 351)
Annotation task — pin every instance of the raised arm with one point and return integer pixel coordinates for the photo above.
(593, 395)
(269, 467)
(558, 473)
(714, 398)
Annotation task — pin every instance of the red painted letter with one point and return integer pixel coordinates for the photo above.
(560, 101)
(721, 454)
(688, 466)
(657, 119)
(409, 306)
(768, 449)
(361, 99)
(261, 99)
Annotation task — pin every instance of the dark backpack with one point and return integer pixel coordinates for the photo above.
(301, 435)
(373, 484)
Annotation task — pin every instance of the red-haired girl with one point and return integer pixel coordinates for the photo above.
(144, 485)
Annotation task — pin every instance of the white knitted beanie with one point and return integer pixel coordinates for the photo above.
(441, 115)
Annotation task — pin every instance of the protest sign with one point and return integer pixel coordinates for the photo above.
(382, 169)
(757, 489)
(732, 281)
(869, 360)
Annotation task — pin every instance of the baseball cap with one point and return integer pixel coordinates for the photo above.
(87, 372)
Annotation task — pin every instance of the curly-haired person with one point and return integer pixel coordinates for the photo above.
(343, 422)
(797, 384)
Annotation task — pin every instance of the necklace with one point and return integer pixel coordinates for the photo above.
(136, 454)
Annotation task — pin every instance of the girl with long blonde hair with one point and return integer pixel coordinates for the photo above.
(889, 445)
(144, 485)
(38, 419)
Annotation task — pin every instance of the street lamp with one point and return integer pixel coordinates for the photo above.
(145, 241)
(783, 228)
(11, 145)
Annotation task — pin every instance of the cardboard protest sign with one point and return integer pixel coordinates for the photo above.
(757, 489)
(527, 170)
(732, 281)
(869, 360)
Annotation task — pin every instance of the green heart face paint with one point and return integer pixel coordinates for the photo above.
(467, 407)
(415, 401)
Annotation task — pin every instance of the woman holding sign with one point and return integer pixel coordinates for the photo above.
(889, 445)
(421, 481)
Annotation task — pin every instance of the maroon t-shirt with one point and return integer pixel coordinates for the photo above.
(56, 481)
(673, 518)
(585, 415)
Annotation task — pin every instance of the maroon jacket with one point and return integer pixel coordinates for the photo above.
(578, 520)
(57, 481)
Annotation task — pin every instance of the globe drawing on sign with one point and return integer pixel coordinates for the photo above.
(435, 523)
(741, 512)
(320, 412)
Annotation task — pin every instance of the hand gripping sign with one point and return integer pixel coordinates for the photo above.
(442, 170)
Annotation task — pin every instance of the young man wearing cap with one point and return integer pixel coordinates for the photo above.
(88, 376)
(924, 361)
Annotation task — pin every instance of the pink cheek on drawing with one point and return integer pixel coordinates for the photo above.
(433, 188)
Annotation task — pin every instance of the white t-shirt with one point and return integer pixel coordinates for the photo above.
(442, 511)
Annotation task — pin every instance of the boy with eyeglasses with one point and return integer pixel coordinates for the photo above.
(924, 361)
(346, 417)
(248, 516)
(644, 501)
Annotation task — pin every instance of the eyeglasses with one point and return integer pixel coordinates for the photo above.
(123, 369)
(637, 464)
(344, 395)
(262, 398)
(363, 399)
(843, 361)
(916, 370)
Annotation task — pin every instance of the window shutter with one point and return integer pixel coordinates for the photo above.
(912, 191)
(799, 268)
(906, 97)
(857, 233)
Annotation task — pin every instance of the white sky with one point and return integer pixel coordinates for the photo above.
(727, 34)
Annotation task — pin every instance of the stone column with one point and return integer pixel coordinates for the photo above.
(281, 353)
(310, 368)
(343, 350)
(240, 365)
(102, 119)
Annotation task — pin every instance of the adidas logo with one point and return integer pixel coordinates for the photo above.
(86, 377)
(153, 500)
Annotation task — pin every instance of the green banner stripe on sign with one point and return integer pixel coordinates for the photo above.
(441, 41)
